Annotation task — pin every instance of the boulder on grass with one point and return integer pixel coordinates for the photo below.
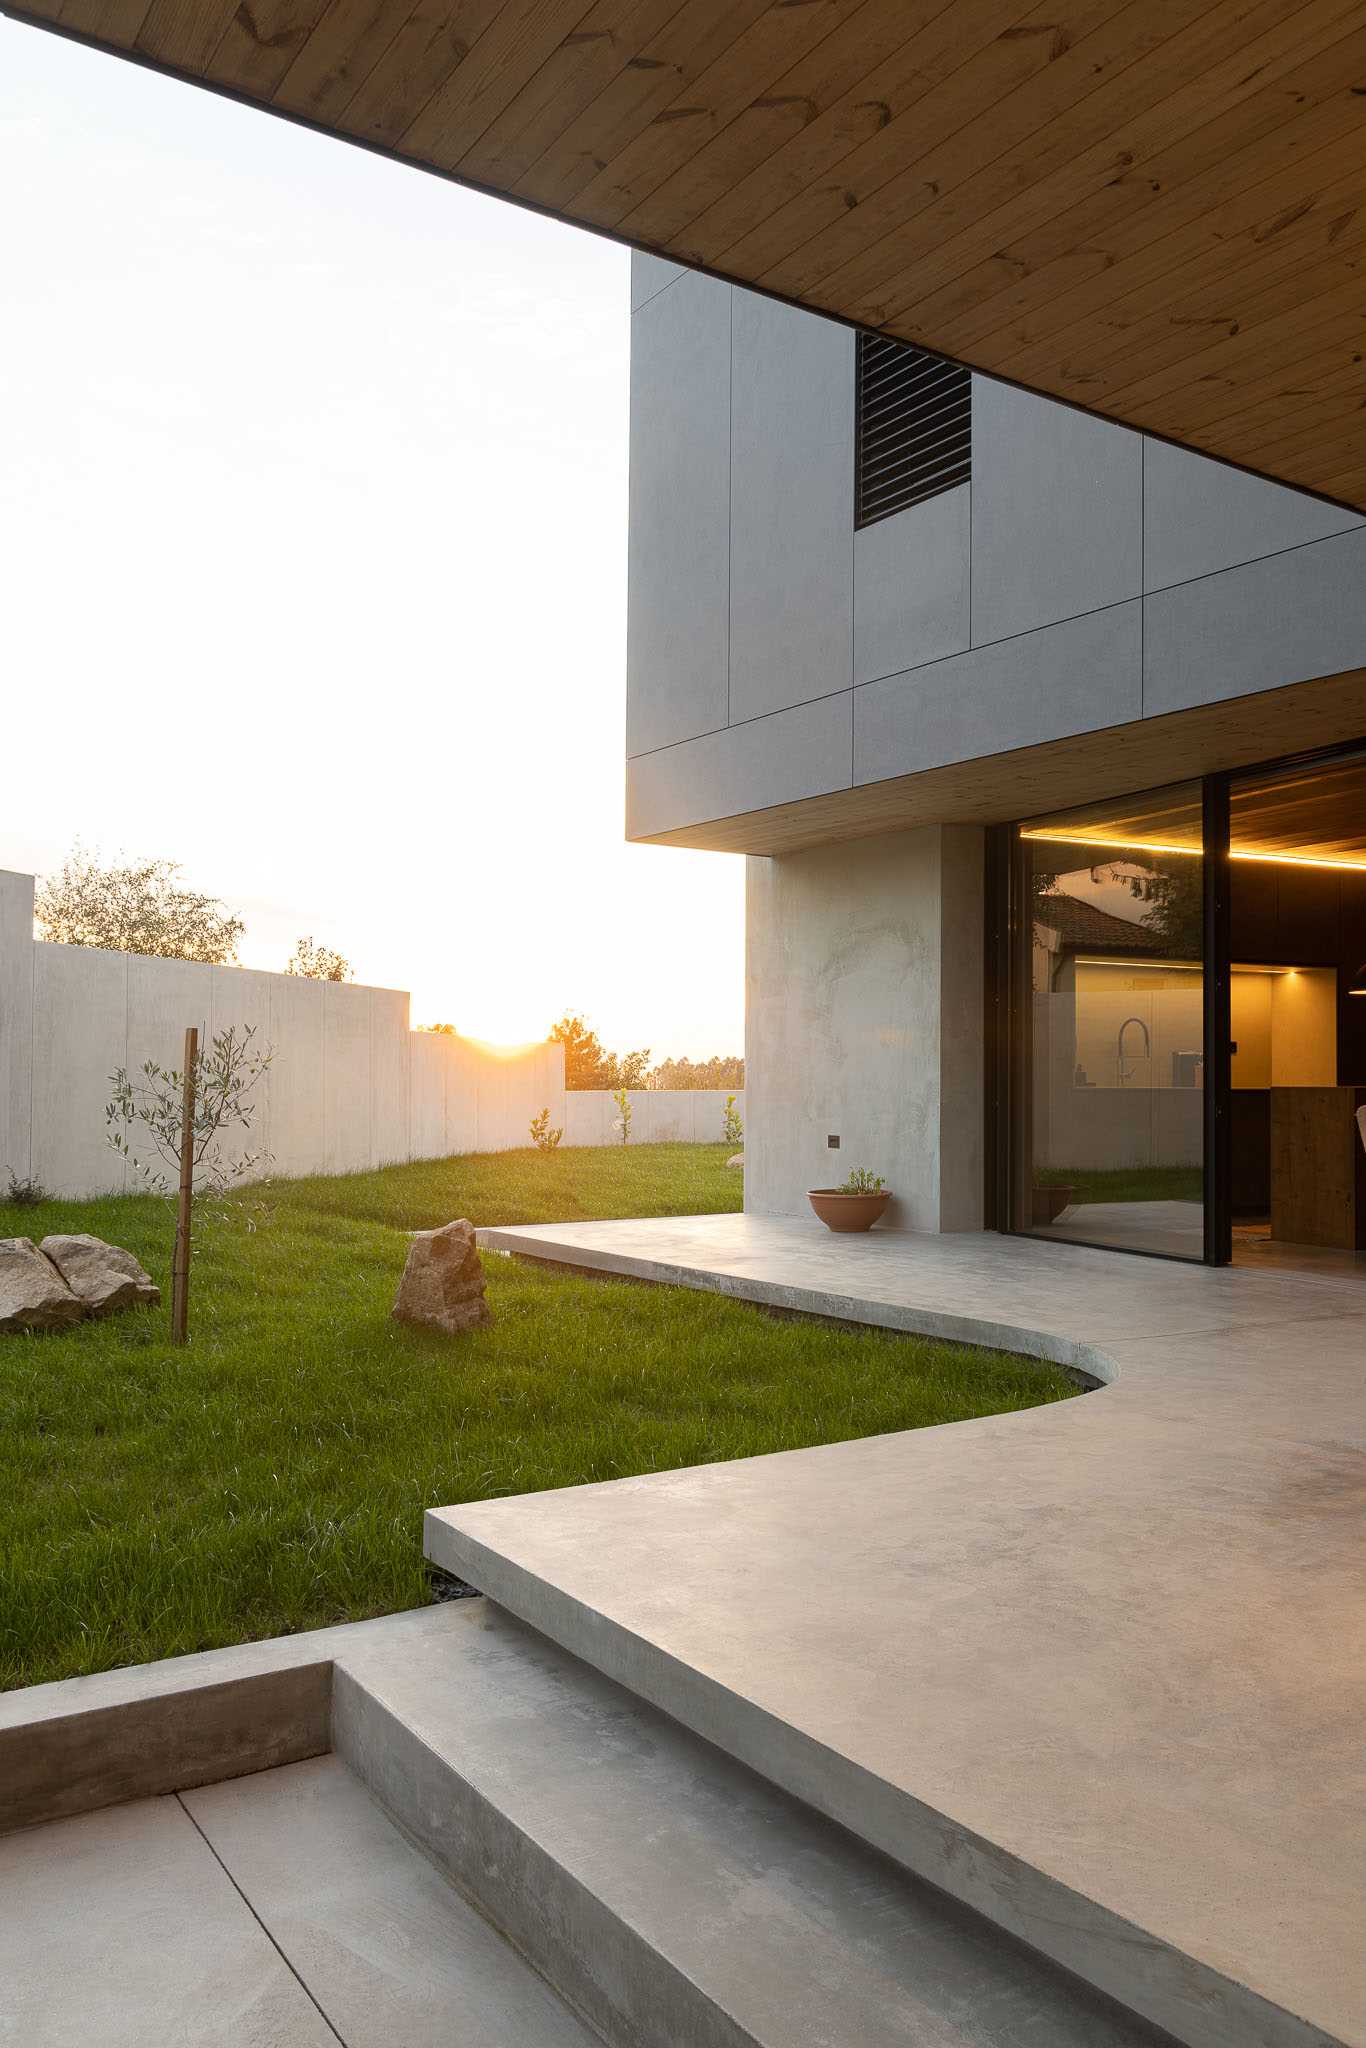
(33, 1294)
(737, 1159)
(443, 1282)
(104, 1276)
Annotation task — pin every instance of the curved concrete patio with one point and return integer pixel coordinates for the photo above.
(1096, 1669)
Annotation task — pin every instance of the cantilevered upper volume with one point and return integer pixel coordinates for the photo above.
(866, 594)
(1153, 211)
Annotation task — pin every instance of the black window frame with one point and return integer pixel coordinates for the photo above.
(1006, 985)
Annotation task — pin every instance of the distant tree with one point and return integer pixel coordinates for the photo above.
(723, 1070)
(139, 907)
(318, 963)
(1174, 891)
(633, 1069)
(588, 1064)
(441, 1030)
(1171, 889)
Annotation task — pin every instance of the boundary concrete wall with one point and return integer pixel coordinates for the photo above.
(659, 1116)
(350, 1086)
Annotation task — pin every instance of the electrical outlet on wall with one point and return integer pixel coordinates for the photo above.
(833, 1141)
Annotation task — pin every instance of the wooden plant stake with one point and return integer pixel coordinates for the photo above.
(180, 1267)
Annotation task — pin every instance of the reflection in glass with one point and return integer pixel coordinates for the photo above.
(1297, 932)
(1112, 1152)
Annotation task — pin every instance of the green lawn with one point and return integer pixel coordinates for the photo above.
(272, 1476)
(1128, 1183)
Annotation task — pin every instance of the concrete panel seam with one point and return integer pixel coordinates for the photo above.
(1143, 576)
(32, 975)
(853, 498)
(125, 1167)
(657, 293)
(743, 724)
(1297, 547)
(1010, 639)
(1005, 639)
(972, 571)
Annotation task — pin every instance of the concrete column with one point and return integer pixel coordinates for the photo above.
(16, 1025)
(864, 1021)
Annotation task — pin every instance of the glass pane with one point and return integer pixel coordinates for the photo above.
(1297, 935)
(1110, 1147)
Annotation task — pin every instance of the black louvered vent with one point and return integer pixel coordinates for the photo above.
(913, 432)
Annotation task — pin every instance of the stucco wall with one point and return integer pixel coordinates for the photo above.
(1087, 577)
(350, 1085)
(864, 1020)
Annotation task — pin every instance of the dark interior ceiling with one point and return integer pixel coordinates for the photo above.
(1152, 209)
(1313, 812)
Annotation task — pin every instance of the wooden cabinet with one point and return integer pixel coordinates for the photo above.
(1318, 1167)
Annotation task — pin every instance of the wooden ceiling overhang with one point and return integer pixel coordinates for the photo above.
(1150, 208)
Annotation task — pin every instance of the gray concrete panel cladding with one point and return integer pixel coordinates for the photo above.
(1086, 577)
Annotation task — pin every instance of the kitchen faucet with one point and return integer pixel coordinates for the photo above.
(1125, 1074)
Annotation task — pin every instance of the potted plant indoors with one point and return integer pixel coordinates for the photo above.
(855, 1205)
(1050, 1199)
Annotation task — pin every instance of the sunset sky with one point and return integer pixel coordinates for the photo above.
(313, 521)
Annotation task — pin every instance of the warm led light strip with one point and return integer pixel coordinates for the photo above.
(1290, 860)
(1298, 860)
(1117, 845)
(1154, 964)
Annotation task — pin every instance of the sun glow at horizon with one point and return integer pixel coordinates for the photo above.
(399, 701)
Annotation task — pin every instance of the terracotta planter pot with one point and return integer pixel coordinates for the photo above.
(1049, 1203)
(847, 1212)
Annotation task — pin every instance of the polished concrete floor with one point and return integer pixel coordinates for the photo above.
(1176, 1230)
(282, 1910)
(1095, 1668)
(1255, 1248)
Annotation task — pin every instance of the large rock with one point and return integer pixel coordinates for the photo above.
(443, 1282)
(103, 1276)
(33, 1294)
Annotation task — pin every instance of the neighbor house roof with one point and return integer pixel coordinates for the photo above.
(1083, 927)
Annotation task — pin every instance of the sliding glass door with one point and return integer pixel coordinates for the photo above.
(1179, 995)
(1108, 1024)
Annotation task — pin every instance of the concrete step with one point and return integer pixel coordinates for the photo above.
(982, 1650)
(675, 1898)
(279, 1910)
(385, 1946)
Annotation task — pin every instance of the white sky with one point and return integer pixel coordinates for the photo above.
(313, 545)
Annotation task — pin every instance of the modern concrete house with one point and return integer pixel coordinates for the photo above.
(958, 666)
(998, 589)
